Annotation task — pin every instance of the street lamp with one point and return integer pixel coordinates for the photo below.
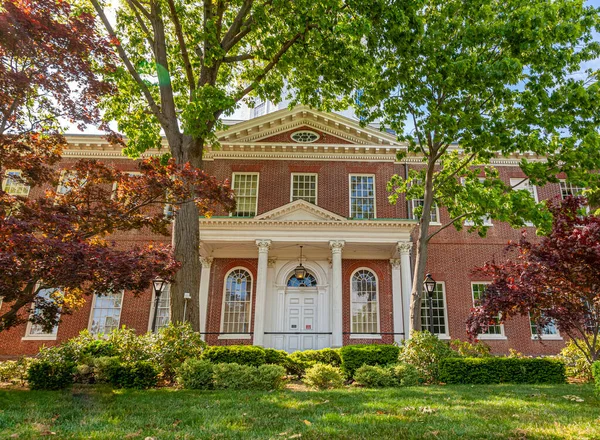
(300, 271)
(158, 288)
(429, 285)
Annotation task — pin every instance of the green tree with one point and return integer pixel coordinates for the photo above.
(467, 81)
(186, 64)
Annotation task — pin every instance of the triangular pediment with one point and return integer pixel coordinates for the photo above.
(278, 127)
(300, 210)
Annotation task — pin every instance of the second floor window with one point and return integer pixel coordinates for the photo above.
(106, 313)
(518, 183)
(362, 196)
(13, 184)
(304, 186)
(245, 187)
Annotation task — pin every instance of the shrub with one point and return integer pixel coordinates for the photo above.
(467, 349)
(239, 354)
(46, 375)
(105, 368)
(131, 347)
(296, 364)
(275, 357)
(233, 376)
(596, 373)
(196, 374)
(98, 348)
(373, 376)
(269, 377)
(355, 356)
(406, 375)
(15, 371)
(173, 345)
(578, 367)
(501, 370)
(84, 373)
(425, 351)
(299, 361)
(137, 374)
(323, 376)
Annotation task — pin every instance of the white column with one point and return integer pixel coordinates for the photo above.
(397, 300)
(336, 292)
(404, 250)
(261, 291)
(204, 283)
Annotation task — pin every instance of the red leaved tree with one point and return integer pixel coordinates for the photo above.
(556, 280)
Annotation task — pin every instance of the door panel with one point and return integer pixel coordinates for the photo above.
(301, 316)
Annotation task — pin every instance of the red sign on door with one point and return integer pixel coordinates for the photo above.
(308, 326)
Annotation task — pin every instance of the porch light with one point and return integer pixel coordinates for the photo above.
(300, 271)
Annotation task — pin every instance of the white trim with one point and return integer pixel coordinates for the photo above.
(369, 336)
(378, 304)
(41, 336)
(5, 178)
(304, 174)
(221, 323)
(90, 318)
(437, 212)
(350, 194)
(551, 337)
(483, 336)
(524, 184)
(250, 173)
(446, 323)
(153, 302)
(318, 136)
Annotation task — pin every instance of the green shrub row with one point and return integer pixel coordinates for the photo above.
(596, 373)
(501, 370)
(355, 356)
(323, 377)
(201, 374)
(374, 376)
(239, 354)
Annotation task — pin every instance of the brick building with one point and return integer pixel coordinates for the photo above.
(314, 180)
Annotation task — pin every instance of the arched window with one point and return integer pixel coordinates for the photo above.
(237, 302)
(365, 302)
(308, 281)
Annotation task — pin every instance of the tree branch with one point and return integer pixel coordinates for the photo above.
(450, 223)
(184, 52)
(142, 24)
(237, 58)
(230, 38)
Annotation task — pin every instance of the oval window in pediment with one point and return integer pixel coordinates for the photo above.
(305, 136)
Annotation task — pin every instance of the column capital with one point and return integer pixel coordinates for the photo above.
(395, 262)
(271, 262)
(263, 245)
(206, 261)
(336, 246)
(404, 247)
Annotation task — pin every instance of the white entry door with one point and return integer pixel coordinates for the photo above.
(300, 321)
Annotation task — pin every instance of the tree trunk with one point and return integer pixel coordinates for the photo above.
(421, 251)
(186, 242)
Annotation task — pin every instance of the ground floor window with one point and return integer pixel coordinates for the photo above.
(549, 330)
(163, 312)
(495, 329)
(365, 303)
(36, 330)
(439, 311)
(106, 313)
(237, 302)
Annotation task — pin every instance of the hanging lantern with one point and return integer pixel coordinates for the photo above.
(300, 271)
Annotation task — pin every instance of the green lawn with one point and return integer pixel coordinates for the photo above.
(439, 412)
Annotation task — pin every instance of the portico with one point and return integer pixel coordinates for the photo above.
(290, 316)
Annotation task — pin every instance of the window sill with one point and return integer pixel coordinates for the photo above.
(435, 224)
(492, 337)
(546, 338)
(369, 336)
(444, 337)
(236, 336)
(39, 338)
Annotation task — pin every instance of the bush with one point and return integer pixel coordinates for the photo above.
(137, 374)
(173, 345)
(425, 351)
(15, 371)
(299, 361)
(501, 370)
(98, 348)
(406, 375)
(323, 376)
(275, 357)
(269, 377)
(355, 356)
(234, 376)
(46, 375)
(467, 349)
(596, 373)
(239, 354)
(196, 374)
(105, 368)
(578, 367)
(373, 376)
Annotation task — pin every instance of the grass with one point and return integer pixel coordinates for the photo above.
(436, 412)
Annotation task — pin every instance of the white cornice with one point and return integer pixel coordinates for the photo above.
(216, 223)
(300, 206)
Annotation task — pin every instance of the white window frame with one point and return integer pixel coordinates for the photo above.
(152, 304)
(257, 189)
(5, 180)
(437, 211)
(91, 317)
(524, 184)
(366, 335)
(221, 322)
(501, 336)
(40, 336)
(426, 310)
(316, 176)
(536, 337)
(570, 185)
(374, 194)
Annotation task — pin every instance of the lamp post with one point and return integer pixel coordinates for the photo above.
(429, 285)
(158, 285)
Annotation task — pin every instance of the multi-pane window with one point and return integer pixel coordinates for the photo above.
(65, 186)
(365, 306)
(13, 184)
(362, 196)
(569, 189)
(163, 311)
(308, 281)
(548, 331)
(495, 328)
(106, 313)
(259, 109)
(237, 302)
(304, 186)
(245, 187)
(44, 296)
(435, 212)
(524, 184)
(439, 311)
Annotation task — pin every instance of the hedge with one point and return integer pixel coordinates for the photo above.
(235, 354)
(596, 373)
(501, 370)
(355, 356)
(45, 375)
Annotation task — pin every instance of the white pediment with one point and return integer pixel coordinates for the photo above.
(300, 210)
